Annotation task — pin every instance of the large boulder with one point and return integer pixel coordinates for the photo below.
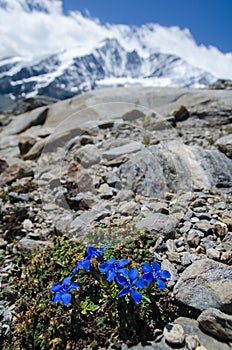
(205, 284)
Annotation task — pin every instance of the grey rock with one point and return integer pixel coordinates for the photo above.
(181, 114)
(16, 171)
(174, 257)
(105, 191)
(133, 115)
(226, 257)
(29, 245)
(186, 227)
(3, 243)
(159, 223)
(193, 237)
(25, 121)
(225, 145)
(16, 197)
(3, 165)
(84, 181)
(124, 195)
(191, 327)
(206, 283)
(217, 324)
(220, 206)
(88, 155)
(105, 124)
(207, 243)
(203, 226)
(174, 334)
(191, 342)
(36, 150)
(114, 181)
(213, 254)
(83, 221)
(220, 229)
(25, 144)
(170, 245)
(152, 345)
(186, 259)
(131, 147)
(31, 103)
(27, 224)
(85, 199)
(199, 202)
(128, 208)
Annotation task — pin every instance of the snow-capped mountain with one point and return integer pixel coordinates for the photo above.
(65, 74)
(59, 55)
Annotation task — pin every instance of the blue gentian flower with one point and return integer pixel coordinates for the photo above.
(131, 282)
(111, 269)
(62, 291)
(85, 264)
(90, 253)
(155, 272)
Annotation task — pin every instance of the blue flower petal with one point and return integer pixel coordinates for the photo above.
(110, 276)
(56, 287)
(102, 249)
(111, 261)
(104, 268)
(141, 283)
(160, 283)
(123, 292)
(123, 262)
(136, 296)
(165, 274)
(86, 264)
(66, 298)
(124, 271)
(133, 274)
(156, 266)
(56, 298)
(74, 285)
(90, 251)
(148, 277)
(67, 281)
(146, 267)
(122, 281)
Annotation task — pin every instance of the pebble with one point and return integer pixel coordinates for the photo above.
(192, 342)
(193, 237)
(3, 243)
(213, 253)
(226, 257)
(27, 224)
(174, 334)
(220, 229)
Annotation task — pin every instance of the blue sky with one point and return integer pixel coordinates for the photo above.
(210, 21)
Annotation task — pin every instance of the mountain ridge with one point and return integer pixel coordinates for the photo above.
(65, 74)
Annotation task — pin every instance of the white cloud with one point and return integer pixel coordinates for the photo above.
(47, 30)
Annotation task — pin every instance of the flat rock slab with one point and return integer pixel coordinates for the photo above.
(159, 223)
(25, 121)
(131, 147)
(216, 323)
(204, 284)
(191, 327)
(225, 145)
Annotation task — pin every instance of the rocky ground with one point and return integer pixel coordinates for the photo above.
(157, 158)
